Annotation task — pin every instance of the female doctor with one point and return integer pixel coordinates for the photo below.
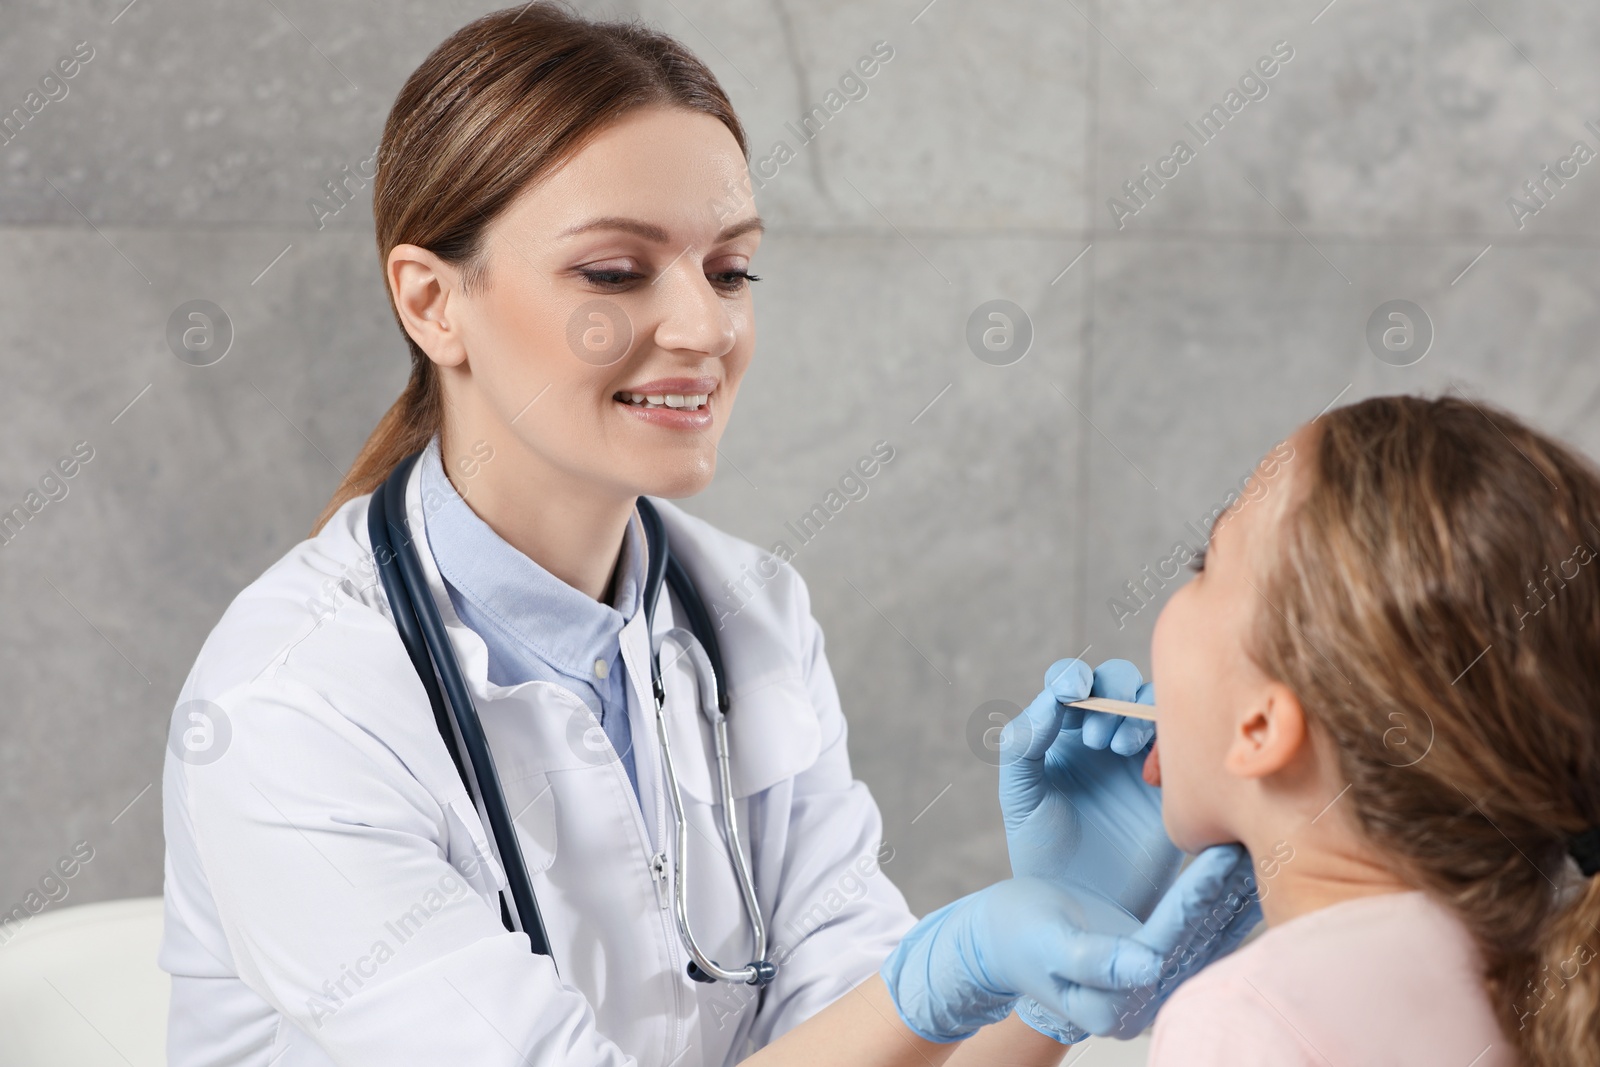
(332, 893)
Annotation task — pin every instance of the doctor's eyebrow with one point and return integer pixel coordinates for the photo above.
(651, 232)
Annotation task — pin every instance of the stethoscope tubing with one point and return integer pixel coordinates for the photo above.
(664, 566)
(759, 971)
(427, 624)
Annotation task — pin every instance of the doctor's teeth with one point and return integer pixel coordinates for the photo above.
(665, 400)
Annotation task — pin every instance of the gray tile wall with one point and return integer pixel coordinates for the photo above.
(1168, 351)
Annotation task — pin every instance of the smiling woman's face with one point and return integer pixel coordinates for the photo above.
(614, 323)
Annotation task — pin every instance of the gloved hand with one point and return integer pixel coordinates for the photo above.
(963, 967)
(1079, 813)
(1203, 917)
(1077, 810)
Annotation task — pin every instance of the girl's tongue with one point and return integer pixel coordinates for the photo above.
(1152, 765)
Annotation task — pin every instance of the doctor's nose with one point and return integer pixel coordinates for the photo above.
(695, 316)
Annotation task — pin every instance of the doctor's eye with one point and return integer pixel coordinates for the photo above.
(731, 281)
(1198, 564)
(610, 279)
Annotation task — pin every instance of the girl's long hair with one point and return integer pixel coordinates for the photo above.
(1438, 615)
(501, 103)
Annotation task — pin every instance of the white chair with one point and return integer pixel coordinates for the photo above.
(80, 987)
(1106, 1052)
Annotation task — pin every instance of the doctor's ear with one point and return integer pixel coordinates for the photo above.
(1267, 735)
(426, 290)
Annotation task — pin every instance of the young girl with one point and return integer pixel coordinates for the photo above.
(1385, 683)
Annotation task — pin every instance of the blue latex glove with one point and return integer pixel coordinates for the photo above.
(1203, 917)
(1079, 813)
(963, 967)
(1077, 809)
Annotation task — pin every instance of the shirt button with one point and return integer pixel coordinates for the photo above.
(601, 668)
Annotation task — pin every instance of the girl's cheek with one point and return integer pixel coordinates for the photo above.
(1158, 642)
(1168, 651)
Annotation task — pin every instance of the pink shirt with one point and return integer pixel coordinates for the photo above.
(1387, 979)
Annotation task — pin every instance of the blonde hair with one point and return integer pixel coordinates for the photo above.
(500, 103)
(1438, 615)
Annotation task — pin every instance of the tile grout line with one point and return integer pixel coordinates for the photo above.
(1080, 611)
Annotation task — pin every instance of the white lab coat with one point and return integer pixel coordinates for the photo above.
(330, 892)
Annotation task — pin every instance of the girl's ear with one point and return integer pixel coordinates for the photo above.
(1268, 735)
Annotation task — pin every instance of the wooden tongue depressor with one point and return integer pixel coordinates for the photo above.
(1116, 707)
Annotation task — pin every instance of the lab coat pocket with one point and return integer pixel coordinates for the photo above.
(469, 850)
(773, 735)
(533, 811)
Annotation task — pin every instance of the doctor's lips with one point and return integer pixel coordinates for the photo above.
(671, 401)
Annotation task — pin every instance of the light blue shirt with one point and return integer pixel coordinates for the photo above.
(537, 627)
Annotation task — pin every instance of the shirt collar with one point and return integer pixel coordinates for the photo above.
(564, 627)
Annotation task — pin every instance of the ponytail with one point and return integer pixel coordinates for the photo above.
(1439, 584)
(405, 428)
(1557, 1003)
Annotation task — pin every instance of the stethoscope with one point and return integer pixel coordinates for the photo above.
(423, 633)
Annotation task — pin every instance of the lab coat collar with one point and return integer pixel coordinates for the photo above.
(471, 651)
